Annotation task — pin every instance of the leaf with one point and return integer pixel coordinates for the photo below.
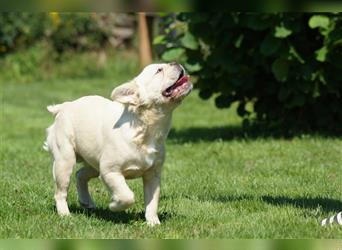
(305, 86)
(189, 41)
(223, 101)
(269, 45)
(335, 56)
(173, 54)
(306, 72)
(298, 101)
(319, 21)
(159, 40)
(296, 55)
(321, 54)
(316, 93)
(282, 32)
(205, 94)
(241, 110)
(239, 41)
(335, 36)
(193, 67)
(257, 21)
(283, 94)
(280, 69)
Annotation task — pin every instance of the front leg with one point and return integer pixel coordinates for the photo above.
(122, 196)
(151, 180)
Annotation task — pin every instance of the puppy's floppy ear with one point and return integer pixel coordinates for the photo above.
(126, 93)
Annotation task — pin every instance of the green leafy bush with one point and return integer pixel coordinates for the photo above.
(45, 46)
(287, 65)
(64, 32)
(76, 32)
(19, 30)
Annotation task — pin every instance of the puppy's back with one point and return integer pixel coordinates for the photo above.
(81, 122)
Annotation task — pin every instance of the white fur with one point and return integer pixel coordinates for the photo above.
(117, 140)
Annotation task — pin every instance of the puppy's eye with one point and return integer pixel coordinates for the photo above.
(159, 70)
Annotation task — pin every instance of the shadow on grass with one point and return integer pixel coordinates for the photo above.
(226, 198)
(124, 217)
(226, 133)
(326, 204)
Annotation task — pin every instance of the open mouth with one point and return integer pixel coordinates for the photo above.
(178, 86)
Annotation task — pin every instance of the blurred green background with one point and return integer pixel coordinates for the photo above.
(41, 46)
(282, 69)
(172, 244)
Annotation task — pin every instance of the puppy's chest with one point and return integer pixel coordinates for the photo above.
(149, 156)
(146, 158)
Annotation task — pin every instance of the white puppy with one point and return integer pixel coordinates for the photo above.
(117, 140)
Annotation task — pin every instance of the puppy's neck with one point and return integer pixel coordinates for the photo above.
(152, 125)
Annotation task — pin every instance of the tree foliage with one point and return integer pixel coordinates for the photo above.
(287, 65)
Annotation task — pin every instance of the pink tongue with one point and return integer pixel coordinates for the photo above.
(182, 80)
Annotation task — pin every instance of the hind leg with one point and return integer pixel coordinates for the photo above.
(60, 142)
(62, 170)
(83, 176)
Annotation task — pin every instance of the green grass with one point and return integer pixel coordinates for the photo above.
(218, 182)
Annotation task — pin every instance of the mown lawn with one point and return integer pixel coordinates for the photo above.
(218, 182)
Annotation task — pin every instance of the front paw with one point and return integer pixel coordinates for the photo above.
(119, 205)
(152, 220)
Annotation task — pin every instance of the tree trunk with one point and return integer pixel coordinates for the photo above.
(145, 53)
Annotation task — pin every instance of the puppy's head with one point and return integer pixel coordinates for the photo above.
(158, 84)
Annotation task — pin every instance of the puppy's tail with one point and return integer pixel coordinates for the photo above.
(46, 146)
(49, 138)
(54, 109)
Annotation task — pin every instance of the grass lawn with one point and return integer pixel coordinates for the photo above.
(217, 182)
